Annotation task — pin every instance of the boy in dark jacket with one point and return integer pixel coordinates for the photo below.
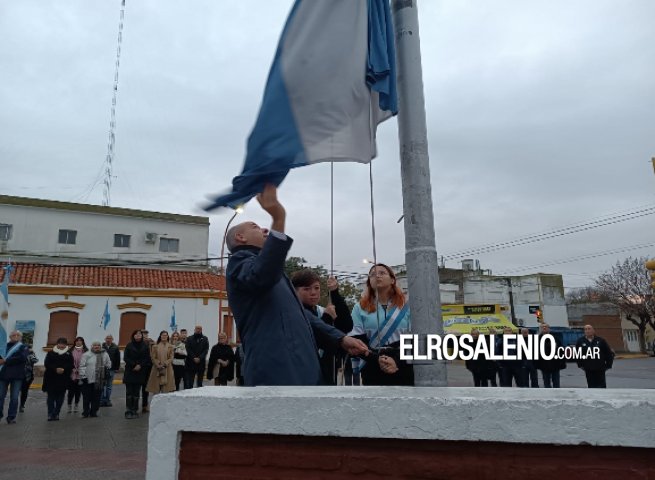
(308, 287)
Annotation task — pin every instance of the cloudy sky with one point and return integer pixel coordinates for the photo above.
(541, 115)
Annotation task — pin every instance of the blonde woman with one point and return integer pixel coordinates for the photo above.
(162, 379)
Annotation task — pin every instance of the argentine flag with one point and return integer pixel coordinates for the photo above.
(333, 79)
(4, 308)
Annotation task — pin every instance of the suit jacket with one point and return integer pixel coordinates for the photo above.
(278, 335)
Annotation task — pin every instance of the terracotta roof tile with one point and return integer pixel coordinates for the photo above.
(112, 277)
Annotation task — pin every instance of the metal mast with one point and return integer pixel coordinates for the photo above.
(109, 159)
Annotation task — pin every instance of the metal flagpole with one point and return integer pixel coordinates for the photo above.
(420, 251)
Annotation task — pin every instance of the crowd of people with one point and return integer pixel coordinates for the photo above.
(75, 374)
(524, 372)
(287, 338)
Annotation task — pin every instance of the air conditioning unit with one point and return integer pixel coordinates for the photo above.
(151, 237)
(468, 265)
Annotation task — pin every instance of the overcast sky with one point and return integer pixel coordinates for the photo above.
(540, 114)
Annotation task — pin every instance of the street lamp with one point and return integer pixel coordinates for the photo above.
(237, 211)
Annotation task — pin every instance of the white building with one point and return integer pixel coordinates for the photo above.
(529, 293)
(539, 291)
(47, 231)
(69, 300)
(73, 259)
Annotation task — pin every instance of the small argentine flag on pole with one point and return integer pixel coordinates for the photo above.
(105, 317)
(173, 322)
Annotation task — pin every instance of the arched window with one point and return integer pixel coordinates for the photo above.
(130, 321)
(62, 324)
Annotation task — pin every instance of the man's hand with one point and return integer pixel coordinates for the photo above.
(332, 284)
(137, 368)
(271, 205)
(387, 364)
(59, 370)
(331, 311)
(354, 346)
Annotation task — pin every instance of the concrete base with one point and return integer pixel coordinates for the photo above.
(518, 416)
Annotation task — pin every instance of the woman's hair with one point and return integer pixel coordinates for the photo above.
(138, 330)
(84, 347)
(160, 334)
(174, 334)
(368, 301)
(304, 278)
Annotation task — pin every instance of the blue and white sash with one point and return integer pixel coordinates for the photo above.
(389, 326)
(17, 346)
(381, 337)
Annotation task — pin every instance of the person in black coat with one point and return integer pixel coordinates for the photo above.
(197, 348)
(550, 368)
(308, 287)
(480, 367)
(137, 364)
(510, 369)
(58, 368)
(593, 365)
(221, 362)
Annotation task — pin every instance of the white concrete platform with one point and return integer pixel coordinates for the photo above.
(623, 417)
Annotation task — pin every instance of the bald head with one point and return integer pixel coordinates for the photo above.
(246, 233)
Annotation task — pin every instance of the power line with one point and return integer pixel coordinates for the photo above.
(582, 257)
(562, 231)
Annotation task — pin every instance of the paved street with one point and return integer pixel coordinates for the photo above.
(111, 447)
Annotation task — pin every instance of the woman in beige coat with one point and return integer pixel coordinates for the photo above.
(162, 378)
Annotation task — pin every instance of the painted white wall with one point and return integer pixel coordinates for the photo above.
(560, 416)
(188, 313)
(36, 231)
(447, 291)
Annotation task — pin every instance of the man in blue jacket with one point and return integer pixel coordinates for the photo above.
(12, 374)
(280, 338)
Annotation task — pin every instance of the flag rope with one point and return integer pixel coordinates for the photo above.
(375, 253)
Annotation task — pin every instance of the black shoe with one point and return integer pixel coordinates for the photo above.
(108, 404)
(55, 419)
(85, 415)
(22, 409)
(93, 415)
(11, 420)
(50, 418)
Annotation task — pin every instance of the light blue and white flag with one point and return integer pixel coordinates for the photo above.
(4, 307)
(173, 321)
(333, 79)
(106, 317)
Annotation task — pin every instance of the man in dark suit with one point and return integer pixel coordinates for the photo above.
(280, 338)
(598, 357)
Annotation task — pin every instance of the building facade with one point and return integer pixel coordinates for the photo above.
(52, 301)
(46, 231)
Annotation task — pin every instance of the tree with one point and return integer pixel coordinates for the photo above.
(349, 291)
(585, 295)
(628, 286)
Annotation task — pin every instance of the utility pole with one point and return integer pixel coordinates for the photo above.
(420, 251)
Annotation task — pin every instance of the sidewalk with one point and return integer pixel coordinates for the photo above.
(108, 447)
